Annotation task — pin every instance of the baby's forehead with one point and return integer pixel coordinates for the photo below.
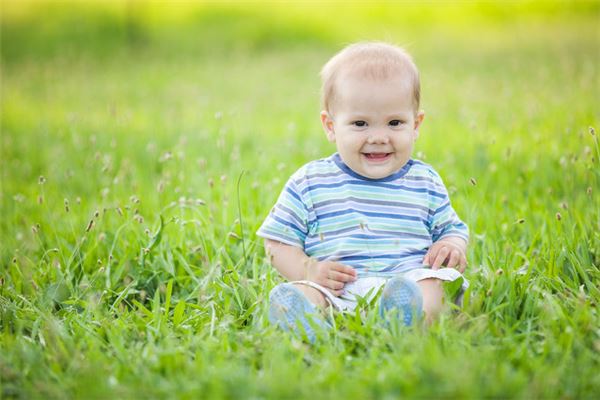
(374, 77)
(352, 84)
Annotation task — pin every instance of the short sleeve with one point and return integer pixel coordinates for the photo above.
(443, 219)
(288, 220)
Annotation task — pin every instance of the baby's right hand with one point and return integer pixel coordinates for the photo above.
(331, 275)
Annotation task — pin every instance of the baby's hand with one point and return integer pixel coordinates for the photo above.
(331, 275)
(448, 252)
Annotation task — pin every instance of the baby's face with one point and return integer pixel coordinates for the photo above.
(373, 124)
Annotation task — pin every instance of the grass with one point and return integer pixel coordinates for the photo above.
(140, 154)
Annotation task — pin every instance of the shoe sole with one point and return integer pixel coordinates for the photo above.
(403, 295)
(290, 310)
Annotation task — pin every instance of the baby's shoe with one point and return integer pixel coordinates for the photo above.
(404, 296)
(290, 310)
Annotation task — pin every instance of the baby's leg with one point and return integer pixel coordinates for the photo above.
(433, 294)
(313, 295)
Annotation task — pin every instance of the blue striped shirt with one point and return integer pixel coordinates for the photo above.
(381, 226)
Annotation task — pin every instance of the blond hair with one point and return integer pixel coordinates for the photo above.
(376, 60)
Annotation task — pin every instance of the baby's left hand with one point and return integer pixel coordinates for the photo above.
(449, 252)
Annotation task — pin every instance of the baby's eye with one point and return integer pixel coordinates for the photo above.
(360, 124)
(396, 122)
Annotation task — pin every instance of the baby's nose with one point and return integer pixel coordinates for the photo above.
(378, 137)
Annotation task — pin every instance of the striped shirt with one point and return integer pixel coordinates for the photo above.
(378, 226)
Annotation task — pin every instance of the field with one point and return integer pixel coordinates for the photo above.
(142, 146)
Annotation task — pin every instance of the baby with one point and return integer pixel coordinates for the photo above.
(369, 216)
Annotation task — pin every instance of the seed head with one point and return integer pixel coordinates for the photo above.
(119, 211)
(166, 157)
(520, 221)
(90, 225)
(96, 214)
(473, 181)
(234, 235)
(34, 229)
(66, 205)
(589, 191)
(558, 216)
(592, 131)
(40, 199)
(211, 182)
(564, 206)
(41, 180)
(499, 271)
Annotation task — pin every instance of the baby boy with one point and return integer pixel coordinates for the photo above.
(369, 217)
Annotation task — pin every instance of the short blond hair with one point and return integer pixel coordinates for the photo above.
(377, 60)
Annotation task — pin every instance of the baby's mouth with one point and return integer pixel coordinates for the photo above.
(377, 156)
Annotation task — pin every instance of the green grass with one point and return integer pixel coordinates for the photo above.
(132, 268)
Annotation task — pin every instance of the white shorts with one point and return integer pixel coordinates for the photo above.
(367, 287)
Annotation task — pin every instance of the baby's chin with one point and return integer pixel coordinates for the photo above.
(375, 171)
(379, 171)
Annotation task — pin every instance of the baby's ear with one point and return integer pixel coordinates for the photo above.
(418, 121)
(327, 122)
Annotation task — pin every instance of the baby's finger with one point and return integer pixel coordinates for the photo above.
(463, 263)
(336, 293)
(454, 259)
(440, 258)
(426, 259)
(344, 269)
(341, 277)
(335, 285)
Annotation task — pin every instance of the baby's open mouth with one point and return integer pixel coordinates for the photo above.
(377, 156)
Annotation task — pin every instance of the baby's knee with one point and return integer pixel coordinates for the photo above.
(312, 294)
(433, 295)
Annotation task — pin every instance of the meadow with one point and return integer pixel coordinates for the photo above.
(142, 146)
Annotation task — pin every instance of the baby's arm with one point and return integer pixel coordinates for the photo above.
(294, 265)
(449, 251)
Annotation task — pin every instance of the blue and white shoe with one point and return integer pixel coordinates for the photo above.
(290, 310)
(403, 298)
